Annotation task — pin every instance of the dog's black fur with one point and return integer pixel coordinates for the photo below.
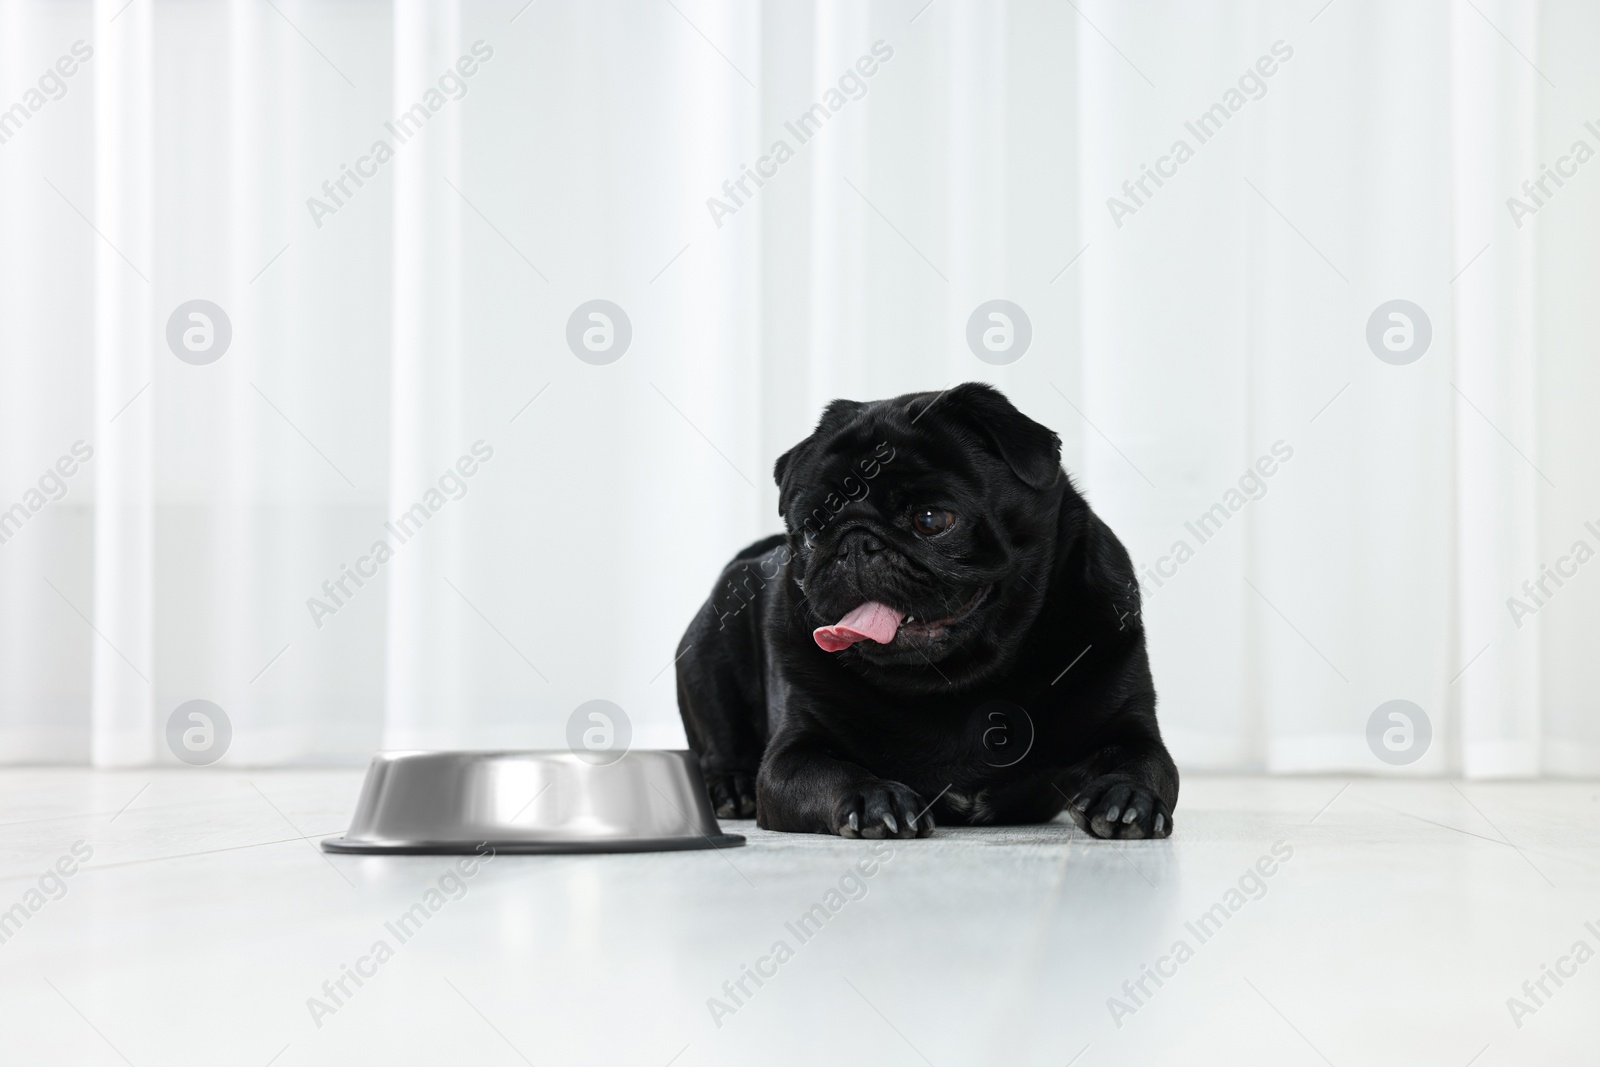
(1030, 692)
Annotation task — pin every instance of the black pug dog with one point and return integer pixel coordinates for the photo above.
(946, 631)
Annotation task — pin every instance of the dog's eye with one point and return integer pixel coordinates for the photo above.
(930, 521)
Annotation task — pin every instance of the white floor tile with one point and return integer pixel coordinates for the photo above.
(1405, 916)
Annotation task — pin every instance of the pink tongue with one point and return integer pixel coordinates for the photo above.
(872, 621)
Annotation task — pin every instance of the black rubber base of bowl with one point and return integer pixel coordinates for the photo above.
(531, 848)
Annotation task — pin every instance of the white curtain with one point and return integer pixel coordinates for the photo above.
(393, 330)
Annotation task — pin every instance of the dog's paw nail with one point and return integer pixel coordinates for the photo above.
(1111, 815)
(855, 822)
(1160, 822)
(911, 822)
(1078, 803)
(1131, 815)
(888, 820)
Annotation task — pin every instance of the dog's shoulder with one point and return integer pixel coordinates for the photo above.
(758, 549)
(1096, 587)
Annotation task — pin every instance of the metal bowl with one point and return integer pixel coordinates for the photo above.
(456, 802)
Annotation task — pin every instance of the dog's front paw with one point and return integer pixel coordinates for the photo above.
(1120, 807)
(879, 808)
(733, 794)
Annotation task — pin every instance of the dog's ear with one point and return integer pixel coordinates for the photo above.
(834, 416)
(781, 470)
(1031, 450)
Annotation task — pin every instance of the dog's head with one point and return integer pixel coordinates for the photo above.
(921, 530)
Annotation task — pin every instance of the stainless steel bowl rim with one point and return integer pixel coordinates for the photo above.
(531, 802)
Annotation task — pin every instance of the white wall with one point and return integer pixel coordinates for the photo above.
(370, 352)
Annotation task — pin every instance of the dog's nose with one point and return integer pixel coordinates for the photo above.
(860, 542)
